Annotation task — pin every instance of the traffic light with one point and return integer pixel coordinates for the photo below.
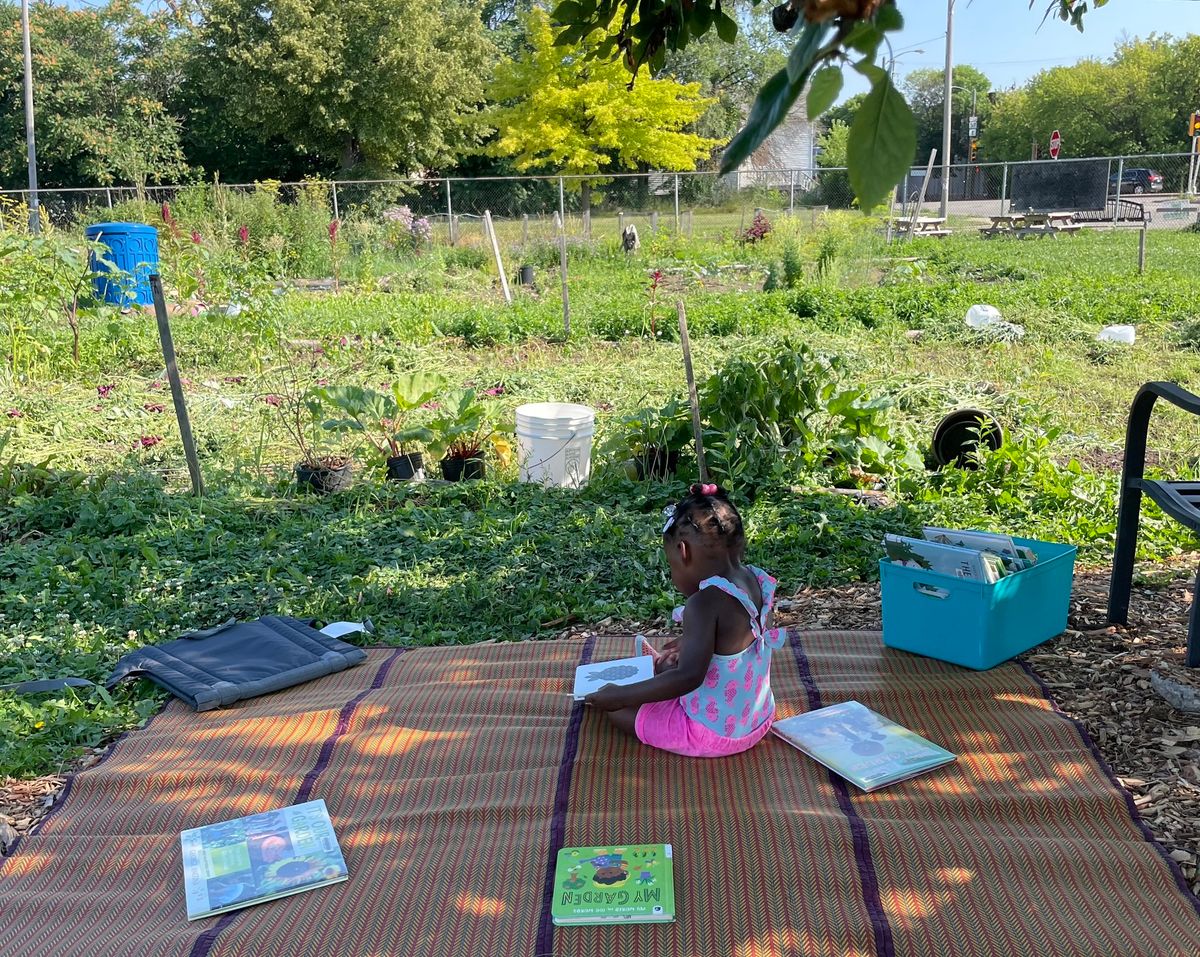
(974, 150)
(1194, 124)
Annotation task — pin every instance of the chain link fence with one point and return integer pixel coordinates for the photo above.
(1157, 191)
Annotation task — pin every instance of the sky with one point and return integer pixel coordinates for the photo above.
(1008, 41)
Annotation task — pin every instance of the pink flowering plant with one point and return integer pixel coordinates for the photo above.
(406, 232)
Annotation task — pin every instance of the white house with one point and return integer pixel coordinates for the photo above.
(788, 156)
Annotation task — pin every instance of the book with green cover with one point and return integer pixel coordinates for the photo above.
(865, 748)
(630, 883)
(259, 858)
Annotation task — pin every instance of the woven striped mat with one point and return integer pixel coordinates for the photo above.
(454, 774)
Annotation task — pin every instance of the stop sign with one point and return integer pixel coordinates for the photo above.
(1055, 144)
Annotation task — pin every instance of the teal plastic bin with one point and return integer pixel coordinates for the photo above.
(133, 253)
(976, 624)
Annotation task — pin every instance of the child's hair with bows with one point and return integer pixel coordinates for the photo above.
(707, 514)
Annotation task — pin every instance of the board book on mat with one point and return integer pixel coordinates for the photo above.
(632, 883)
(619, 671)
(251, 860)
(865, 748)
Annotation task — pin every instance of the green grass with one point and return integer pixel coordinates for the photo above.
(102, 550)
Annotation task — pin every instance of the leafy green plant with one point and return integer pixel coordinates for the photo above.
(860, 436)
(385, 420)
(463, 428)
(760, 411)
(651, 438)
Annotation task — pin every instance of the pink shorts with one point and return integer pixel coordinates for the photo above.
(666, 726)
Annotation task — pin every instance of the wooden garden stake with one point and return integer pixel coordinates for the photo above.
(692, 396)
(181, 413)
(561, 216)
(912, 225)
(491, 231)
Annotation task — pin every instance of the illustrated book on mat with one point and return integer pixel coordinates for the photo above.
(251, 860)
(865, 748)
(631, 883)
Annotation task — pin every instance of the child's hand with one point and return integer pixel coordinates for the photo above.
(607, 698)
(669, 656)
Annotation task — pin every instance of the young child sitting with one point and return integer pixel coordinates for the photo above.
(711, 695)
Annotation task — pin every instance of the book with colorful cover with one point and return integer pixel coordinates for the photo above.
(1016, 557)
(865, 748)
(944, 559)
(619, 671)
(251, 860)
(630, 883)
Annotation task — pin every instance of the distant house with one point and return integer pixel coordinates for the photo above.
(787, 156)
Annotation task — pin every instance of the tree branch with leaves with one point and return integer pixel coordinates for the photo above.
(830, 35)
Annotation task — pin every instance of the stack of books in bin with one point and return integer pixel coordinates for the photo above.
(982, 556)
(973, 598)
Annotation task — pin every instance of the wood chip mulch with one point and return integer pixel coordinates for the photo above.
(1099, 674)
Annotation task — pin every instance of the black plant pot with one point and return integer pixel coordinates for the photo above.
(406, 468)
(322, 480)
(459, 470)
(656, 463)
(961, 433)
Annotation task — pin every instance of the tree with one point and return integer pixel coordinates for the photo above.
(829, 34)
(94, 122)
(1136, 101)
(729, 73)
(926, 95)
(846, 111)
(834, 184)
(558, 109)
(354, 85)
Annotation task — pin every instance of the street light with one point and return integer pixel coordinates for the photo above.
(35, 223)
(896, 56)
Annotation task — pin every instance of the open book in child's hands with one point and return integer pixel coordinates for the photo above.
(620, 671)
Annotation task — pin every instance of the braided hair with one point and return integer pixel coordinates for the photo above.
(708, 513)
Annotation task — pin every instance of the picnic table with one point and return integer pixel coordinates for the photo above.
(934, 226)
(1030, 223)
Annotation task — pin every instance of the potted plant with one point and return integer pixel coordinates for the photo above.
(318, 470)
(653, 439)
(385, 420)
(460, 436)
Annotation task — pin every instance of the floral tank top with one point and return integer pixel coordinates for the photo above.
(735, 698)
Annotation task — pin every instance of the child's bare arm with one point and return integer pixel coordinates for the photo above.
(695, 651)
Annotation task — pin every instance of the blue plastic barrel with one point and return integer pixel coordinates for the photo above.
(133, 255)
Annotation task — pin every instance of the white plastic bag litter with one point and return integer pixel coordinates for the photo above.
(981, 316)
(1126, 334)
(987, 319)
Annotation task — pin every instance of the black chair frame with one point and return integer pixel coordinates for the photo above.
(1179, 500)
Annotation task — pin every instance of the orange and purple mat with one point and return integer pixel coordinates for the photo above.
(453, 775)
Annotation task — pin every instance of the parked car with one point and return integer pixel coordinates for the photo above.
(1137, 180)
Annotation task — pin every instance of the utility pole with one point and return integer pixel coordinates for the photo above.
(35, 219)
(946, 107)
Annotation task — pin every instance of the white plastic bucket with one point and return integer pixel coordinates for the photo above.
(554, 443)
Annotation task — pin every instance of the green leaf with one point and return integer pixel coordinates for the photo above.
(774, 101)
(802, 58)
(770, 107)
(882, 141)
(865, 38)
(889, 19)
(569, 11)
(726, 27)
(824, 89)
